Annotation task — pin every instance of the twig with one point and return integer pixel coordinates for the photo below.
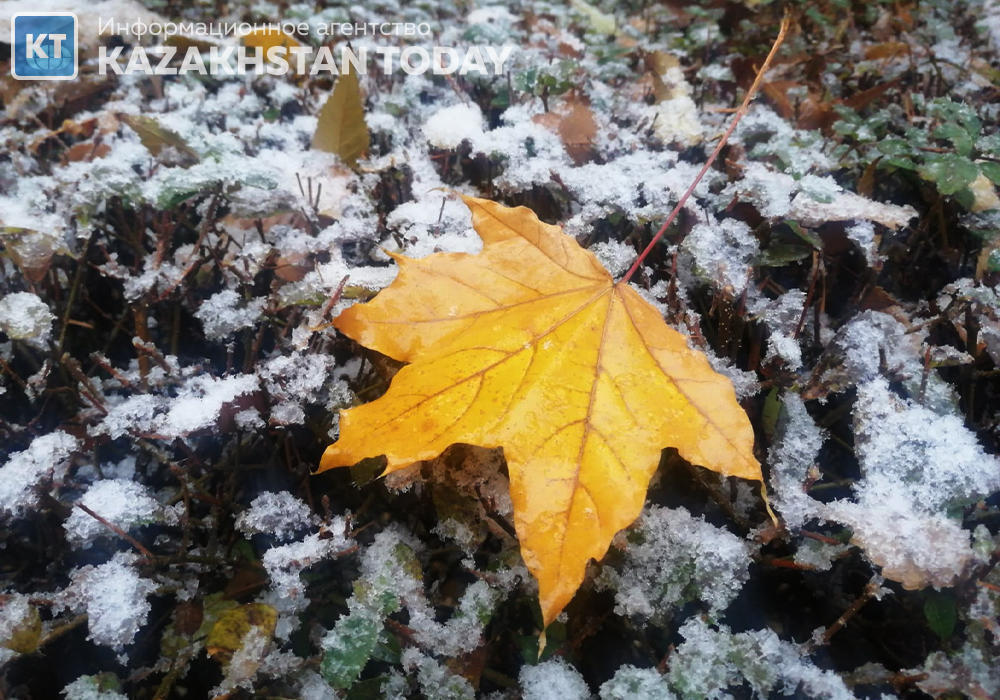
(118, 531)
(203, 231)
(59, 631)
(718, 149)
(334, 298)
(813, 276)
(86, 386)
(870, 591)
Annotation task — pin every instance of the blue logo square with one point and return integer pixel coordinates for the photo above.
(43, 46)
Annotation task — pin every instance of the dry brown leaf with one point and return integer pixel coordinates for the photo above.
(574, 121)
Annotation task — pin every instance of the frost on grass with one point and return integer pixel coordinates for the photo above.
(284, 563)
(280, 515)
(768, 136)
(391, 580)
(862, 234)
(104, 686)
(673, 558)
(249, 659)
(114, 598)
(915, 465)
(552, 680)
(818, 556)
(792, 454)
(615, 256)
(722, 253)
(642, 186)
(225, 312)
(933, 459)
(971, 669)
(872, 344)
(298, 379)
(781, 317)
(631, 683)
(712, 662)
(197, 405)
(812, 200)
(529, 151)
(24, 316)
(435, 680)
(122, 503)
(46, 458)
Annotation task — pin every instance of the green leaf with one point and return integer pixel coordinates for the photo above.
(368, 689)
(993, 261)
(895, 147)
(963, 115)
(772, 411)
(898, 162)
(805, 234)
(991, 170)
(349, 645)
(778, 254)
(939, 609)
(341, 126)
(948, 171)
(958, 136)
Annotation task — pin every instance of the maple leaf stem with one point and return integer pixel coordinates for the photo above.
(785, 22)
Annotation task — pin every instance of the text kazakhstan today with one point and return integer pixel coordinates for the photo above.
(279, 60)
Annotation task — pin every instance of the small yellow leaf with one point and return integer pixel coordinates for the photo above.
(531, 346)
(341, 127)
(268, 38)
(24, 635)
(231, 628)
(600, 22)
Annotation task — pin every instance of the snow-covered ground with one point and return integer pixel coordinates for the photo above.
(174, 249)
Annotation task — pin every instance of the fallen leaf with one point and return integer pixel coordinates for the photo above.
(30, 250)
(156, 137)
(600, 22)
(661, 65)
(22, 633)
(341, 127)
(574, 121)
(777, 92)
(84, 129)
(230, 630)
(531, 346)
(888, 49)
(267, 38)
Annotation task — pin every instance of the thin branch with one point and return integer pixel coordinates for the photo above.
(118, 531)
(785, 23)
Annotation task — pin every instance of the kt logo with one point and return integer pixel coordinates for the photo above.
(43, 46)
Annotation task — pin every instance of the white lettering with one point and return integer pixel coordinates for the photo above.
(105, 61)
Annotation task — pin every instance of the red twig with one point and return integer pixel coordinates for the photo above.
(718, 149)
(118, 531)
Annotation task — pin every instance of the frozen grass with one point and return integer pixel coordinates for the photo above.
(168, 364)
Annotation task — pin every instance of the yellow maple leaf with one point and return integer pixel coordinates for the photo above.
(531, 346)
